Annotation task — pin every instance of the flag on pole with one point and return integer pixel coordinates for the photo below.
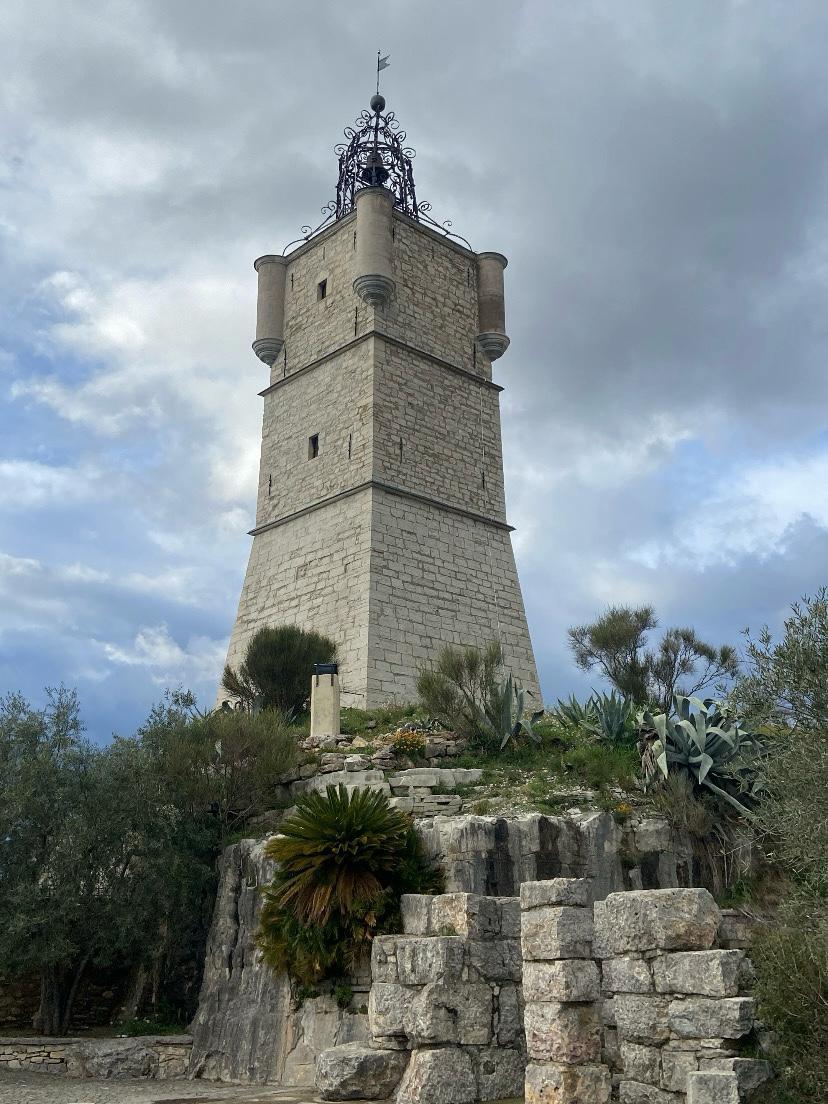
(382, 62)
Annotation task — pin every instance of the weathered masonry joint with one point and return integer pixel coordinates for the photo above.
(381, 514)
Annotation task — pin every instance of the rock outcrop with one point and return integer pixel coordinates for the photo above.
(494, 855)
(247, 1027)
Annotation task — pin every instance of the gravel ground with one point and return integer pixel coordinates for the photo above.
(45, 1088)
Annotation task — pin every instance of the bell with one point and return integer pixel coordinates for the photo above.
(375, 173)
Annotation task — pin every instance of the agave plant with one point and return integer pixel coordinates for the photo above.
(614, 717)
(503, 719)
(572, 714)
(337, 849)
(705, 739)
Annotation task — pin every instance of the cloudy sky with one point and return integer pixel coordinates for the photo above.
(656, 173)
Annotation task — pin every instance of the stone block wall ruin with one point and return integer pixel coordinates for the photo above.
(641, 998)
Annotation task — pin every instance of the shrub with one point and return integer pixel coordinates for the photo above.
(464, 690)
(277, 668)
(616, 645)
(408, 743)
(344, 859)
(791, 961)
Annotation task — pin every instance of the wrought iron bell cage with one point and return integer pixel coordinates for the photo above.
(376, 155)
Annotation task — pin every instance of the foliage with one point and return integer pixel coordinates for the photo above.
(571, 714)
(706, 740)
(408, 743)
(367, 722)
(504, 720)
(343, 861)
(460, 685)
(464, 690)
(337, 848)
(616, 645)
(614, 718)
(277, 668)
(99, 865)
(148, 1025)
(228, 761)
(788, 681)
(791, 961)
(107, 857)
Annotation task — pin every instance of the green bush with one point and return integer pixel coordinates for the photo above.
(343, 860)
(466, 692)
(791, 961)
(277, 668)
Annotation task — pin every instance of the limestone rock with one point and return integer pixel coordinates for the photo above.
(423, 960)
(494, 960)
(354, 1071)
(444, 1076)
(641, 1063)
(465, 914)
(389, 1006)
(706, 973)
(550, 1083)
(114, 1058)
(415, 910)
(351, 779)
(508, 1021)
(676, 1066)
(569, 979)
(500, 1071)
(666, 919)
(643, 1019)
(637, 1092)
(750, 1072)
(627, 974)
(562, 1032)
(576, 892)
(712, 1088)
(450, 1013)
(552, 932)
(705, 1017)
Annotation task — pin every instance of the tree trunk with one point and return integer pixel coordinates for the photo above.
(48, 1018)
(69, 1002)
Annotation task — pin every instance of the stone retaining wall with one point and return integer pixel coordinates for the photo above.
(161, 1057)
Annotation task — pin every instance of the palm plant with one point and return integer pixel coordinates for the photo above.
(706, 740)
(337, 849)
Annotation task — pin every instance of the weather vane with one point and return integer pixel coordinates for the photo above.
(382, 63)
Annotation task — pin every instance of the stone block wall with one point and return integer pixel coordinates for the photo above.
(633, 994)
(445, 1013)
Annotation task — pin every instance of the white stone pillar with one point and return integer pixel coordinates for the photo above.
(491, 304)
(374, 279)
(270, 307)
(324, 705)
(562, 992)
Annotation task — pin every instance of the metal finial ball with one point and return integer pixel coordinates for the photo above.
(378, 103)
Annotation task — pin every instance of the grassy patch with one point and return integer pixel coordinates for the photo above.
(365, 722)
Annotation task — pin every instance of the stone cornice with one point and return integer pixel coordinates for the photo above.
(390, 488)
(430, 357)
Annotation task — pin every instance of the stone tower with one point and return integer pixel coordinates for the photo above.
(381, 518)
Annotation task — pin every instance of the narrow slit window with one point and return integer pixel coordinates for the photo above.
(322, 289)
(313, 446)
(350, 439)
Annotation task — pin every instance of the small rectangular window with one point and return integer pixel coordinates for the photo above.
(321, 289)
(313, 446)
